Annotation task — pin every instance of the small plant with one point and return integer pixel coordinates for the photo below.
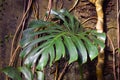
(46, 42)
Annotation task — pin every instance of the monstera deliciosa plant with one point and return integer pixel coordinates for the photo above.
(45, 42)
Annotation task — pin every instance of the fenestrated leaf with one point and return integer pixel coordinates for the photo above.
(26, 72)
(54, 41)
(81, 48)
(73, 55)
(40, 75)
(60, 49)
(92, 49)
(12, 73)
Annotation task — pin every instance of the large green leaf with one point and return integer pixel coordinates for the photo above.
(57, 40)
(12, 73)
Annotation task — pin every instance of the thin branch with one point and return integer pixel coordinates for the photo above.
(118, 36)
(63, 71)
(35, 7)
(75, 4)
(56, 71)
(113, 51)
(88, 20)
(14, 56)
(19, 26)
(13, 59)
(61, 6)
(49, 9)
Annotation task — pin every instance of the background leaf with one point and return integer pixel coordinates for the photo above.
(12, 73)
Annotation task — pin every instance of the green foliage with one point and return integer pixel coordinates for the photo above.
(45, 42)
(12, 73)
